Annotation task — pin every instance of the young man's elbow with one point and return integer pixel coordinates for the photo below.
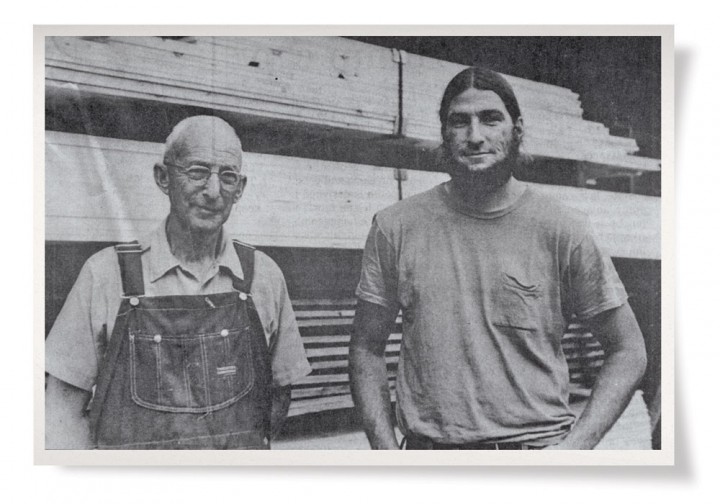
(640, 361)
(634, 360)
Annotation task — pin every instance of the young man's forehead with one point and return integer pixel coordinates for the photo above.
(477, 99)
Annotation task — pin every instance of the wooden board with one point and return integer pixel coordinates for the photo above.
(101, 189)
(264, 76)
(325, 81)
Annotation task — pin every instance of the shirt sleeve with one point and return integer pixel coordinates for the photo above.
(379, 275)
(594, 284)
(71, 348)
(288, 360)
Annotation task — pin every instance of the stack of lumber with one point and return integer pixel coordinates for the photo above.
(321, 82)
(584, 356)
(554, 126)
(311, 80)
(325, 329)
(102, 189)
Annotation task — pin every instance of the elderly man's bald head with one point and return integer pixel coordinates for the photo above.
(202, 136)
(200, 174)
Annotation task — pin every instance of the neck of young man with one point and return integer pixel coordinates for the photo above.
(192, 247)
(485, 195)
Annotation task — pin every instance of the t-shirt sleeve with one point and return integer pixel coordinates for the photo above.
(594, 284)
(379, 275)
(288, 360)
(71, 348)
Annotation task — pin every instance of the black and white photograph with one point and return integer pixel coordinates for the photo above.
(335, 247)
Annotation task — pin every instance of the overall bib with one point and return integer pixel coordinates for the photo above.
(183, 372)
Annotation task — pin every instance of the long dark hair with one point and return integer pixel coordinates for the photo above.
(486, 80)
(483, 79)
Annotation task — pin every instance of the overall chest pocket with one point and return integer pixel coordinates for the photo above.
(516, 302)
(190, 373)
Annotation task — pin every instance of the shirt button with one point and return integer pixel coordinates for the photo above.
(266, 440)
(243, 296)
(157, 338)
(134, 301)
(224, 332)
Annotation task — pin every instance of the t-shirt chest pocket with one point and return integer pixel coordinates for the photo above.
(516, 302)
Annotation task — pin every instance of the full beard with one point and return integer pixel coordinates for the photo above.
(487, 180)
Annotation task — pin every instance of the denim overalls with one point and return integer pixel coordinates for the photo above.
(183, 372)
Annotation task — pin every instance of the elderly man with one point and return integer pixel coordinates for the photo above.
(185, 339)
(487, 273)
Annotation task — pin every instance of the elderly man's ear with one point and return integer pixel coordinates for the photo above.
(241, 188)
(162, 178)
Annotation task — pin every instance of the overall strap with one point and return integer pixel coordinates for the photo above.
(132, 284)
(246, 254)
(131, 268)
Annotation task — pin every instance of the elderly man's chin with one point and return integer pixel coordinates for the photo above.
(203, 222)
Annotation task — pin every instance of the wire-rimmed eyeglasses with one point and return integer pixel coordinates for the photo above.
(228, 177)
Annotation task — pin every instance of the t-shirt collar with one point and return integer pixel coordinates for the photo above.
(459, 206)
(160, 260)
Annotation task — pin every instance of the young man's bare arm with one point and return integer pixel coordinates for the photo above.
(66, 425)
(624, 367)
(368, 373)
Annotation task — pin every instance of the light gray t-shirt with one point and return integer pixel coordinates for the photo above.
(486, 299)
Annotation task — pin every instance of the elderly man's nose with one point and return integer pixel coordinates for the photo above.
(212, 185)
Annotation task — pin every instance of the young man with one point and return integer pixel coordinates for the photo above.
(184, 339)
(487, 273)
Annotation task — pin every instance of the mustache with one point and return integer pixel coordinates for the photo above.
(210, 208)
(513, 154)
(476, 152)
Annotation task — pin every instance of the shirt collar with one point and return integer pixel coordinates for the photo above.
(160, 260)
(228, 257)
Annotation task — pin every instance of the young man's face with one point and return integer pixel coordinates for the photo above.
(204, 204)
(478, 132)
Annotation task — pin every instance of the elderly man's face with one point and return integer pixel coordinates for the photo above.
(202, 203)
(478, 132)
